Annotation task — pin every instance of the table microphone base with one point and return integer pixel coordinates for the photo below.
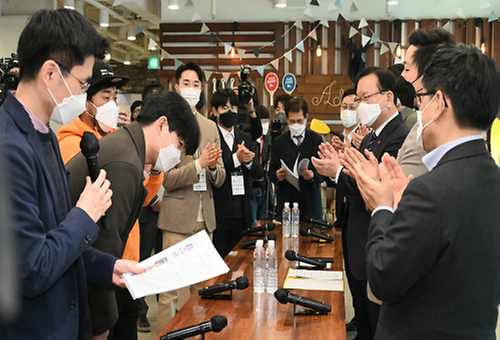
(319, 240)
(219, 296)
(297, 311)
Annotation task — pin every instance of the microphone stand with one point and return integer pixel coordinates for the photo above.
(219, 296)
(304, 311)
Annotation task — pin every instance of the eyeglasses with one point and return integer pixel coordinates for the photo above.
(423, 94)
(364, 98)
(85, 85)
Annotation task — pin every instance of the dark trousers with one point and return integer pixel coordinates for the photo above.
(128, 312)
(229, 234)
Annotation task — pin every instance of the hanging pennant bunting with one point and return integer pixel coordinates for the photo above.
(225, 76)
(308, 12)
(241, 53)
(138, 29)
(288, 56)
(314, 3)
(398, 61)
(447, 26)
(227, 48)
(256, 52)
(325, 23)
(352, 32)
(208, 74)
(189, 3)
(340, 19)
(260, 69)
(196, 17)
(279, 41)
(485, 4)
(393, 46)
(461, 12)
(163, 55)
(313, 34)
(493, 17)
(362, 23)
(354, 8)
(331, 7)
(383, 49)
(177, 63)
(204, 29)
(364, 40)
(374, 39)
(212, 38)
(338, 4)
(300, 46)
(298, 24)
(276, 64)
(152, 45)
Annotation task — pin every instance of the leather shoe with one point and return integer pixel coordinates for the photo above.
(143, 324)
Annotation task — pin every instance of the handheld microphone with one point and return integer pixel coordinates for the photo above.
(251, 243)
(318, 222)
(304, 231)
(284, 296)
(239, 283)
(293, 256)
(215, 324)
(90, 147)
(268, 227)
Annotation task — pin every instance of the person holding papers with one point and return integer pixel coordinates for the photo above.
(293, 150)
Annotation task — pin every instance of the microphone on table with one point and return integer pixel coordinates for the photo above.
(284, 296)
(251, 243)
(269, 227)
(318, 222)
(215, 324)
(240, 283)
(304, 231)
(293, 256)
(90, 147)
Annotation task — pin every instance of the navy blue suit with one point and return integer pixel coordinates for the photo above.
(56, 259)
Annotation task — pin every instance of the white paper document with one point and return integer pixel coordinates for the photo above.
(188, 262)
(290, 176)
(314, 280)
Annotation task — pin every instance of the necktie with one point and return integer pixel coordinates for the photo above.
(261, 145)
(372, 140)
(299, 139)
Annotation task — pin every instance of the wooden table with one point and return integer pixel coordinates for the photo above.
(261, 316)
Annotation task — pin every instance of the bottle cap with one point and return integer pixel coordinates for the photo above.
(295, 204)
(287, 204)
(270, 243)
(259, 244)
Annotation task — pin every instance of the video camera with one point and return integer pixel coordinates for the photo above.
(245, 89)
(275, 129)
(8, 79)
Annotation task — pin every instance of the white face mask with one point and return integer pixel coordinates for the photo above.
(421, 128)
(368, 113)
(168, 157)
(265, 128)
(297, 129)
(70, 108)
(107, 115)
(348, 117)
(191, 95)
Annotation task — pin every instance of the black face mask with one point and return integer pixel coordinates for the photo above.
(405, 92)
(227, 119)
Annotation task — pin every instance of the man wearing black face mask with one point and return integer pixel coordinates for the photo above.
(233, 208)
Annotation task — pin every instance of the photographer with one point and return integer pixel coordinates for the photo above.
(9, 75)
(248, 99)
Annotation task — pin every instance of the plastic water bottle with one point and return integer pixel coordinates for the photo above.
(286, 220)
(295, 220)
(271, 268)
(259, 267)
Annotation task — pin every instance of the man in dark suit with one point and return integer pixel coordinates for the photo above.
(232, 199)
(376, 109)
(434, 261)
(53, 238)
(292, 147)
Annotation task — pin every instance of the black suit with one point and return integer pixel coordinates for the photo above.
(234, 213)
(358, 218)
(309, 197)
(435, 262)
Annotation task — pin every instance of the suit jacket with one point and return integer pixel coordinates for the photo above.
(55, 257)
(410, 155)
(259, 185)
(122, 155)
(358, 218)
(224, 193)
(435, 262)
(409, 116)
(309, 197)
(180, 204)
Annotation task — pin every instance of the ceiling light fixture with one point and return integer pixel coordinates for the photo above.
(173, 5)
(280, 3)
(392, 2)
(131, 33)
(69, 4)
(103, 18)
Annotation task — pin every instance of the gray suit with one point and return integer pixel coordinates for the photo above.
(435, 262)
(410, 155)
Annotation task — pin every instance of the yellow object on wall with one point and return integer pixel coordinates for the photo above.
(495, 140)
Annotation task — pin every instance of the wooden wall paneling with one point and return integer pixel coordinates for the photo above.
(495, 48)
(331, 48)
(370, 53)
(292, 36)
(471, 30)
(278, 32)
(385, 35)
(317, 61)
(410, 27)
(305, 55)
(487, 35)
(428, 22)
(344, 52)
(460, 31)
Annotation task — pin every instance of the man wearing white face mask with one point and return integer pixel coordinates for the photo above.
(187, 205)
(164, 125)
(101, 112)
(376, 109)
(292, 147)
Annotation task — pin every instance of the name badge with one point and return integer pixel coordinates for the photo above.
(202, 183)
(237, 183)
